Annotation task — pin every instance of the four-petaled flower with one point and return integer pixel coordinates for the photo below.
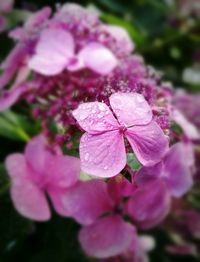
(37, 172)
(55, 51)
(102, 148)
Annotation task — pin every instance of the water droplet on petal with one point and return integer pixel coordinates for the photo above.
(99, 115)
(86, 157)
(101, 107)
(140, 98)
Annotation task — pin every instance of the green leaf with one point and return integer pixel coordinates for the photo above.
(84, 176)
(16, 16)
(15, 126)
(133, 162)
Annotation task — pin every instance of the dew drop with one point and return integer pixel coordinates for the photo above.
(86, 157)
(101, 107)
(105, 167)
(83, 117)
(99, 115)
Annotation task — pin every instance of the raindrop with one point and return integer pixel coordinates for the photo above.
(99, 115)
(101, 107)
(83, 117)
(86, 157)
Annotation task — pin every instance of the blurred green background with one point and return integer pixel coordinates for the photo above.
(167, 34)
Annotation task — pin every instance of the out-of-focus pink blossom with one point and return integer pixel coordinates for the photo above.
(189, 129)
(101, 207)
(55, 51)
(188, 104)
(38, 171)
(102, 149)
(121, 36)
(149, 204)
(173, 170)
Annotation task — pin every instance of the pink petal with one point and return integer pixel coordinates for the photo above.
(147, 174)
(189, 129)
(131, 109)
(148, 143)
(107, 237)
(10, 97)
(176, 171)
(53, 51)
(120, 35)
(56, 196)
(102, 155)
(87, 201)
(28, 199)
(98, 58)
(13, 62)
(95, 117)
(63, 171)
(37, 154)
(37, 18)
(149, 204)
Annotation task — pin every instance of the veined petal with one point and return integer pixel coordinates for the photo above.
(102, 155)
(148, 143)
(131, 109)
(95, 117)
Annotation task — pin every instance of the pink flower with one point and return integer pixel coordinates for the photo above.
(101, 207)
(38, 171)
(102, 148)
(174, 170)
(149, 204)
(55, 51)
(121, 36)
(101, 236)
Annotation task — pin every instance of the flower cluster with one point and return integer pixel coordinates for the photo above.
(79, 74)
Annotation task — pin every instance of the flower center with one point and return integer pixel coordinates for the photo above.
(122, 129)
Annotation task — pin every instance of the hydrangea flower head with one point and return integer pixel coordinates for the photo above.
(102, 148)
(38, 171)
